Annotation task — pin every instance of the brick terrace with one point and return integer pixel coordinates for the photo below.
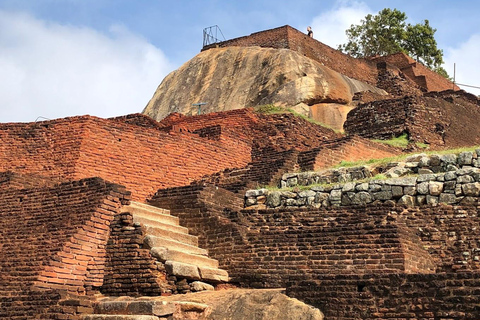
(128, 150)
(371, 262)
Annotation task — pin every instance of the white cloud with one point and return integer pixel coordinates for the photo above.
(330, 26)
(54, 70)
(467, 63)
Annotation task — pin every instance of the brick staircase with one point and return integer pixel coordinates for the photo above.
(178, 251)
(171, 244)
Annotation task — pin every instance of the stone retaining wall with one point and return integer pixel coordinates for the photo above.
(451, 179)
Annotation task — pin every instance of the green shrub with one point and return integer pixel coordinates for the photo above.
(399, 142)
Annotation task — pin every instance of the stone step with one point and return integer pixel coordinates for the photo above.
(149, 207)
(158, 224)
(193, 272)
(180, 237)
(158, 241)
(213, 274)
(147, 307)
(117, 317)
(135, 307)
(151, 213)
(189, 258)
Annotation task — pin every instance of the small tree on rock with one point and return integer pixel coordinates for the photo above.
(388, 33)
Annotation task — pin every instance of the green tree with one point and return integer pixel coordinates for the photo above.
(381, 34)
(419, 42)
(387, 33)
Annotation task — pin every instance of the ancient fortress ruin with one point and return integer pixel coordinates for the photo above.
(134, 218)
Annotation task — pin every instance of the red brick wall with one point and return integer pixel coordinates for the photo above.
(424, 77)
(141, 156)
(146, 160)
(453, 296)
(352, 149)
(130, 270)
(53, 239)
(48, 148)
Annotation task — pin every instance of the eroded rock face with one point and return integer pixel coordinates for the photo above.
(236, 77)
(263, 304)
(333, 115)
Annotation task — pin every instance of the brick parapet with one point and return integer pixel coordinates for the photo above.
(273, 38)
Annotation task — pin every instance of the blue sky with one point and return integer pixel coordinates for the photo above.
(105, 58)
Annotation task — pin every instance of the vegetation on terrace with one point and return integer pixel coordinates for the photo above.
(371, 163)
(273, 109)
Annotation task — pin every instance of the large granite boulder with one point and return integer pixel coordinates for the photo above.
(238, 77)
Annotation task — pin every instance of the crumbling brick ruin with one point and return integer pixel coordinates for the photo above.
(129, 206)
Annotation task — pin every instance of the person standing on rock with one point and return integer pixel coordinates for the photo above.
(309, 32)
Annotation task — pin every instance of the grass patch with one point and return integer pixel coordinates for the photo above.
(456, 150)
(399, 142)
(349, 164)
(269, 109)
(422, 145)
(379, 176)
(374, 162)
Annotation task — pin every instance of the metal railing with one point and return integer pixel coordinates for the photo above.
(212, 35)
